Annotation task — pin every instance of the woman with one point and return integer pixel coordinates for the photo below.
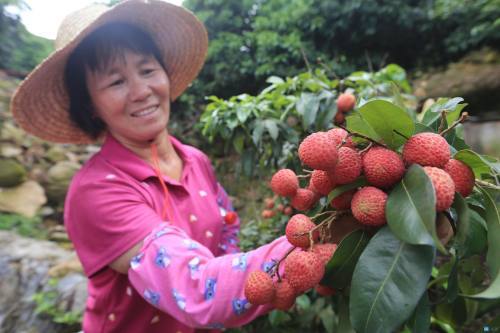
(146, 214)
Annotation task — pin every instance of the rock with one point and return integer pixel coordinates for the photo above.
(25, 199)
(59, 177)
(476, 78)
(56, 154)
(10, 150)
(11, 173)
(24, 271)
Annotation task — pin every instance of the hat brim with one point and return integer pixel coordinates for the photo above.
(40, 104)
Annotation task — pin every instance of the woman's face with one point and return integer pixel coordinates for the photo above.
(132, 96)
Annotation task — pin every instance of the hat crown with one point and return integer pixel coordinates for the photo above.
(76, 22)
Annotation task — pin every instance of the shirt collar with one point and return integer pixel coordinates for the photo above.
(124, 159)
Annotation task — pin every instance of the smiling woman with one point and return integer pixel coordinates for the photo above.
(146, 214)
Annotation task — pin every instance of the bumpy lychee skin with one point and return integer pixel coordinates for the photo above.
(383, 167)
(285, 183)
(303, 270)
(259, 288)
(321, 182)
(339, 134)
(346, 102)
(426, 149)
(318, 151)
(348, 167)
(324, 251)
(343, 201)
(297, 228)
(444, 187)
(368, 206)
(462, 176)
(303, 199)
(285, 295)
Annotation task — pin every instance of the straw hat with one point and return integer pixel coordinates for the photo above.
(41, 103)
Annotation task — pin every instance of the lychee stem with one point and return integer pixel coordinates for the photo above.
(319, 214)
(443, 121)
(362, 136)
(277, 266)
(490, 185)
(462, 118)
(366, 148)
(304, 176)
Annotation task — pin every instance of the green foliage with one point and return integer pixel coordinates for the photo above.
(20, 51)
(388, 282)
(253, 39)
(29, 227)
(267, 127)
(46, 303)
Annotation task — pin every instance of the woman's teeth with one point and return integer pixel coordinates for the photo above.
(144, 112)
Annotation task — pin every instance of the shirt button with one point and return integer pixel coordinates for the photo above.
(111, 317)
(155, 319)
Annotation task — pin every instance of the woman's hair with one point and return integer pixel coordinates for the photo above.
(95, 53)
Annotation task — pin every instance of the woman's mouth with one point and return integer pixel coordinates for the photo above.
(145, 112)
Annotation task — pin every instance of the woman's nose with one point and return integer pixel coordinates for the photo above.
(139, 89)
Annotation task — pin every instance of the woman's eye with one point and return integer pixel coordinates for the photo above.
(116, 83)
(148, 71)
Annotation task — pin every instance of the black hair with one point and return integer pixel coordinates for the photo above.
(95, 52)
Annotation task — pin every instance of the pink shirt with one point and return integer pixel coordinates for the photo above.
(115, 201)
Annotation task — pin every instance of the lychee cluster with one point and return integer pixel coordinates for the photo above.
(304, 268)
(271, 209)
(336, 161)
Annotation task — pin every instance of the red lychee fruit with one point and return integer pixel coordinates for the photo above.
(267, 213)
(297, 229)
(285, 183)
(280, 208)
(343, 201)
(462, 176)
(321, 182)
(324, 290)
(269, 203)
(368, 206)
(346, 102)
(348, 167)
(303, 270)
(318, 151)
(230, 217)
(339, 134)
(383, 167)
(324, 251)
(444, 187)
(285, 295)
(303, 199)
(426, 149)
(259, 288)
(288, 210)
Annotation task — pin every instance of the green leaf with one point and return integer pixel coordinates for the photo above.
(386, 119)
(360, 182)
(272, 128)
(339, 270)
(410, 209)
(356, 123)
(344, 325)
(388, 281)
(257, 132)
(327, 318)
(463, 214)
(239, 142)
(420, 321)
(452, 108)
(479, 164)
(476, 239)
(307, 106)
(277, 318)
(493, 256)
(452, 290)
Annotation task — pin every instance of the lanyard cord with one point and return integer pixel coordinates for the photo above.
(156, 166)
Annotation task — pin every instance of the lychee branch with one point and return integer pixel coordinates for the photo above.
(277, 266)
(362, 136)
(320, 214)
(490, 185)
(460, 120)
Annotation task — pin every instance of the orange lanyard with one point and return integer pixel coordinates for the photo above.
(156, 166)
